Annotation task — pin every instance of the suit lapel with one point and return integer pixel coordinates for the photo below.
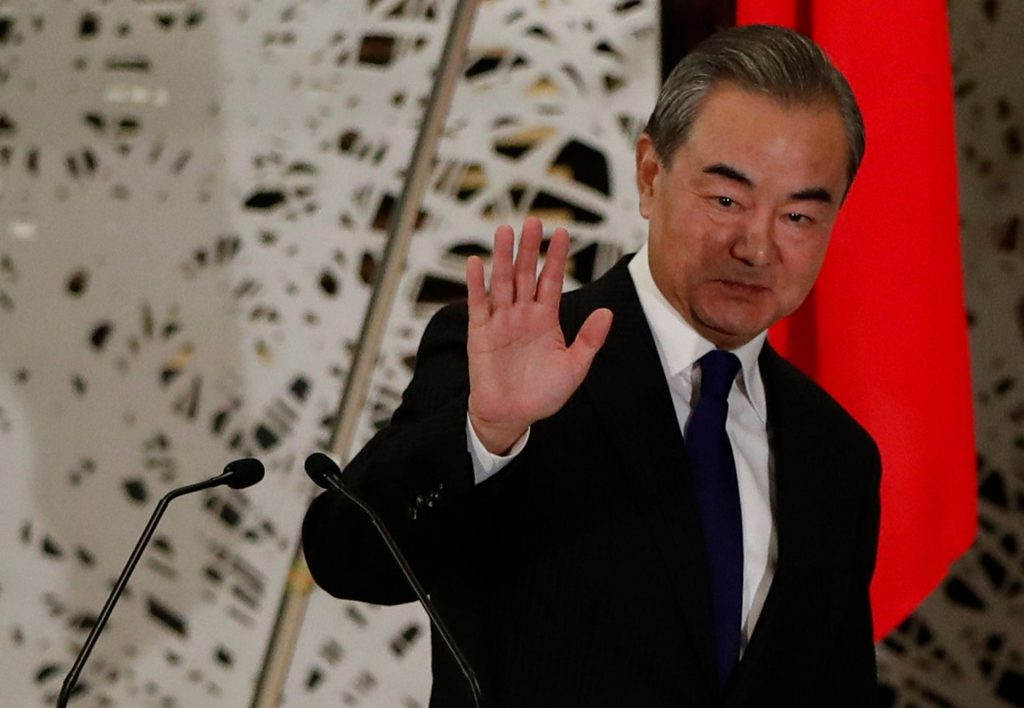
(795, 437)
(628, 388)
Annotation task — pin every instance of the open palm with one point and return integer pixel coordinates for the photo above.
(520, 368)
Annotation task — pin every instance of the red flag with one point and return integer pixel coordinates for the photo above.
(885, 329)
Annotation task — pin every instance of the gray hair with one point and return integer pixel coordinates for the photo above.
(776, 61)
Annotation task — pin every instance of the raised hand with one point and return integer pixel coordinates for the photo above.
(520, 369)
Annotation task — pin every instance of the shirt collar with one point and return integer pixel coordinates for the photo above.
(679, 344)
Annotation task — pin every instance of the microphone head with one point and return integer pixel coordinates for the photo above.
(318, 467)
(244, 473)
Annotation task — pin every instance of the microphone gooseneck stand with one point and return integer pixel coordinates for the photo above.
(326, 474)
(237, 475)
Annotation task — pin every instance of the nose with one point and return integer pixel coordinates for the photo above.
(754, 242)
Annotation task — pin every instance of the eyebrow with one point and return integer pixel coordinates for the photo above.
(811, 194)
(730, 173)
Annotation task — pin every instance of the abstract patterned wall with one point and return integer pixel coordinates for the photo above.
(187, 230)
(193, 199)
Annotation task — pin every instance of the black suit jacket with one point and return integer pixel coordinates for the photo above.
(577, 575)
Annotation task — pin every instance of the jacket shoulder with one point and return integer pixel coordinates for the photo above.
(797, 397)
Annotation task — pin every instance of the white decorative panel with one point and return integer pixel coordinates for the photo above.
(190, 207)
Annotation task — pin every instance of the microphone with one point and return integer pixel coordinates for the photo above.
(326, 474)
(240, 474)
(237, 475)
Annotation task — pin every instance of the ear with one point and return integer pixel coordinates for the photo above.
(648, 167)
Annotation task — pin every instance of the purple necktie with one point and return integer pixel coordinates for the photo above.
(713, 471)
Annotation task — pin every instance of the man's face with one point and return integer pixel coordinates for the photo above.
(740, 222)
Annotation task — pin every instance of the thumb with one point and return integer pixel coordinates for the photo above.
(589, 340)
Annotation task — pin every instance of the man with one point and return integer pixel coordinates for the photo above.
(664, 513)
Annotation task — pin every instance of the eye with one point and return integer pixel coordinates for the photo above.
(797, 218)
(725, 201)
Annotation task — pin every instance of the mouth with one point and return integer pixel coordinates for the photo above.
(742, 288)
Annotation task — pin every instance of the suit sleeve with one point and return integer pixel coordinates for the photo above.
(416, 473)
(854, 680)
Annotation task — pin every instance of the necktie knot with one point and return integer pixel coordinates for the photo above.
(718, 369)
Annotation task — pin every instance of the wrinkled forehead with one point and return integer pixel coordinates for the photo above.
(768, 140)
(731, 100)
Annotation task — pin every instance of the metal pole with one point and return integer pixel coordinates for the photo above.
(270, 684)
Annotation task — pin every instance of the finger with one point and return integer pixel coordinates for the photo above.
(501, 268)
(476, 292)
(526, 259)
(549, 286)
(589, 340)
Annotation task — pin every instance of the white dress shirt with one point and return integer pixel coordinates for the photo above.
(679, 347)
